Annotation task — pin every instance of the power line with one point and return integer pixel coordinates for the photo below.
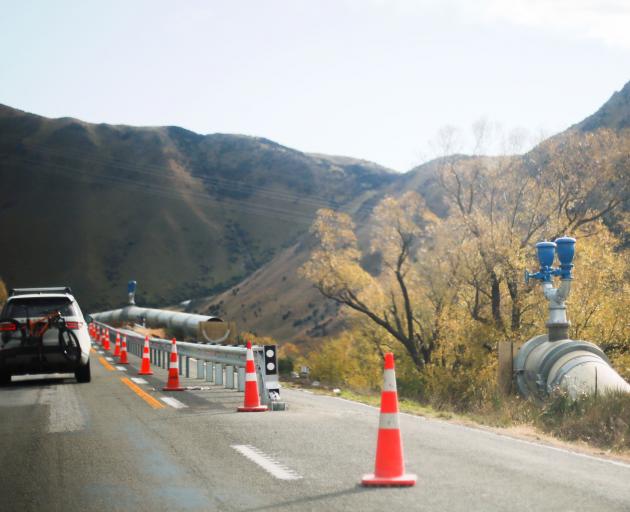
(291, 216)
(152, 170)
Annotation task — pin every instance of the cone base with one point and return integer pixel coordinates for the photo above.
(145, 373)
(176, 388)
(406, 480)
(257, 408)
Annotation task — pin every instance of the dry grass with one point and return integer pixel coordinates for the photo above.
(603, 421)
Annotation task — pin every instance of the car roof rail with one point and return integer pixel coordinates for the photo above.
(29, 291)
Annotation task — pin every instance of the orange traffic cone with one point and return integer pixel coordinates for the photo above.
(252, 400)
(173, 371)
(389, 469)
(123, 352)
(145, 368)
(117, 345)
(106, 345)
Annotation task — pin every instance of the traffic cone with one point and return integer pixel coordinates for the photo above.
(145, 368)
(123, 352)
(389, 469)
(173, 371)
(117, 345)
(106, 345)
(252, 400)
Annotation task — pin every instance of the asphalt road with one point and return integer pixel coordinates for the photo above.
(101, 446)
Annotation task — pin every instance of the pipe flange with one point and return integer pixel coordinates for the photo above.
(570, 365)
(520, 360)
(562, 349)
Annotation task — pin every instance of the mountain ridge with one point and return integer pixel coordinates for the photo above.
(215, 207)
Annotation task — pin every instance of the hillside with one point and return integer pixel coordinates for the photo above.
(276, 301)
(614, 114)
(187, 215)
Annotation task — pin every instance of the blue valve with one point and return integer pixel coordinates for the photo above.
(564, 248)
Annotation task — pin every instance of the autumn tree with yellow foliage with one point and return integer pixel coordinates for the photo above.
(3, 293)
(447, 289)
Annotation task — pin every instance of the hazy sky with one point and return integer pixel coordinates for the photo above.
(365, 78)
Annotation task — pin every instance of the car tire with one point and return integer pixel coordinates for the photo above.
(83, 374)
(5, 378)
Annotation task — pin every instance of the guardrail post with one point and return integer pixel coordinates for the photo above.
(209, 371)
(229, 377)
(241, 378)
(180, 364)
(200, 369)
(218, 374)
(187, 367)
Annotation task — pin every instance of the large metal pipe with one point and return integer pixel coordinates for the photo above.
(575, 366)
(553, 361)
(181, 324)
(184, 324)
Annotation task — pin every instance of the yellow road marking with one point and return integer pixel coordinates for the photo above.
(106, 364)
(143, 394)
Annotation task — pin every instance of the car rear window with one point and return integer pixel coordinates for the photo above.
(38, 307)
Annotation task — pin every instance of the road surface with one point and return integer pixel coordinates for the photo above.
(116, 444)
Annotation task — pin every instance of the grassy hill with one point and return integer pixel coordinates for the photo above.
(187, 215)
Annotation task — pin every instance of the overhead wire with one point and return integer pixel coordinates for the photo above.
(150, 169)
(285, 214)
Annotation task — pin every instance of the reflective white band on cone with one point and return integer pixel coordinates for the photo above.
(388, 421)
(389, 380)
(249, 377)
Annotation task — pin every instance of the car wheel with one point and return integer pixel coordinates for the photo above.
(5, 378)
(83, 374)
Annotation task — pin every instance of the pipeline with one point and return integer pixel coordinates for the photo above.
(180, 323)
(554, 361)
(184, 324)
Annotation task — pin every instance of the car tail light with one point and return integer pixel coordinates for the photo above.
(8, 326)
(74, 325)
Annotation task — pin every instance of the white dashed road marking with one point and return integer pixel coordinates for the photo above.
(138, 380)
(173, 402)
(109, 358)
(121, 368)
(267, 463)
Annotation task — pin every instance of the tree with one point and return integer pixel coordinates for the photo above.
(446, 289)
(409, 307)
(501, 206)
(3, 292)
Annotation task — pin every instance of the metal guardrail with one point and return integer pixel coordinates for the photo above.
(217, 364)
